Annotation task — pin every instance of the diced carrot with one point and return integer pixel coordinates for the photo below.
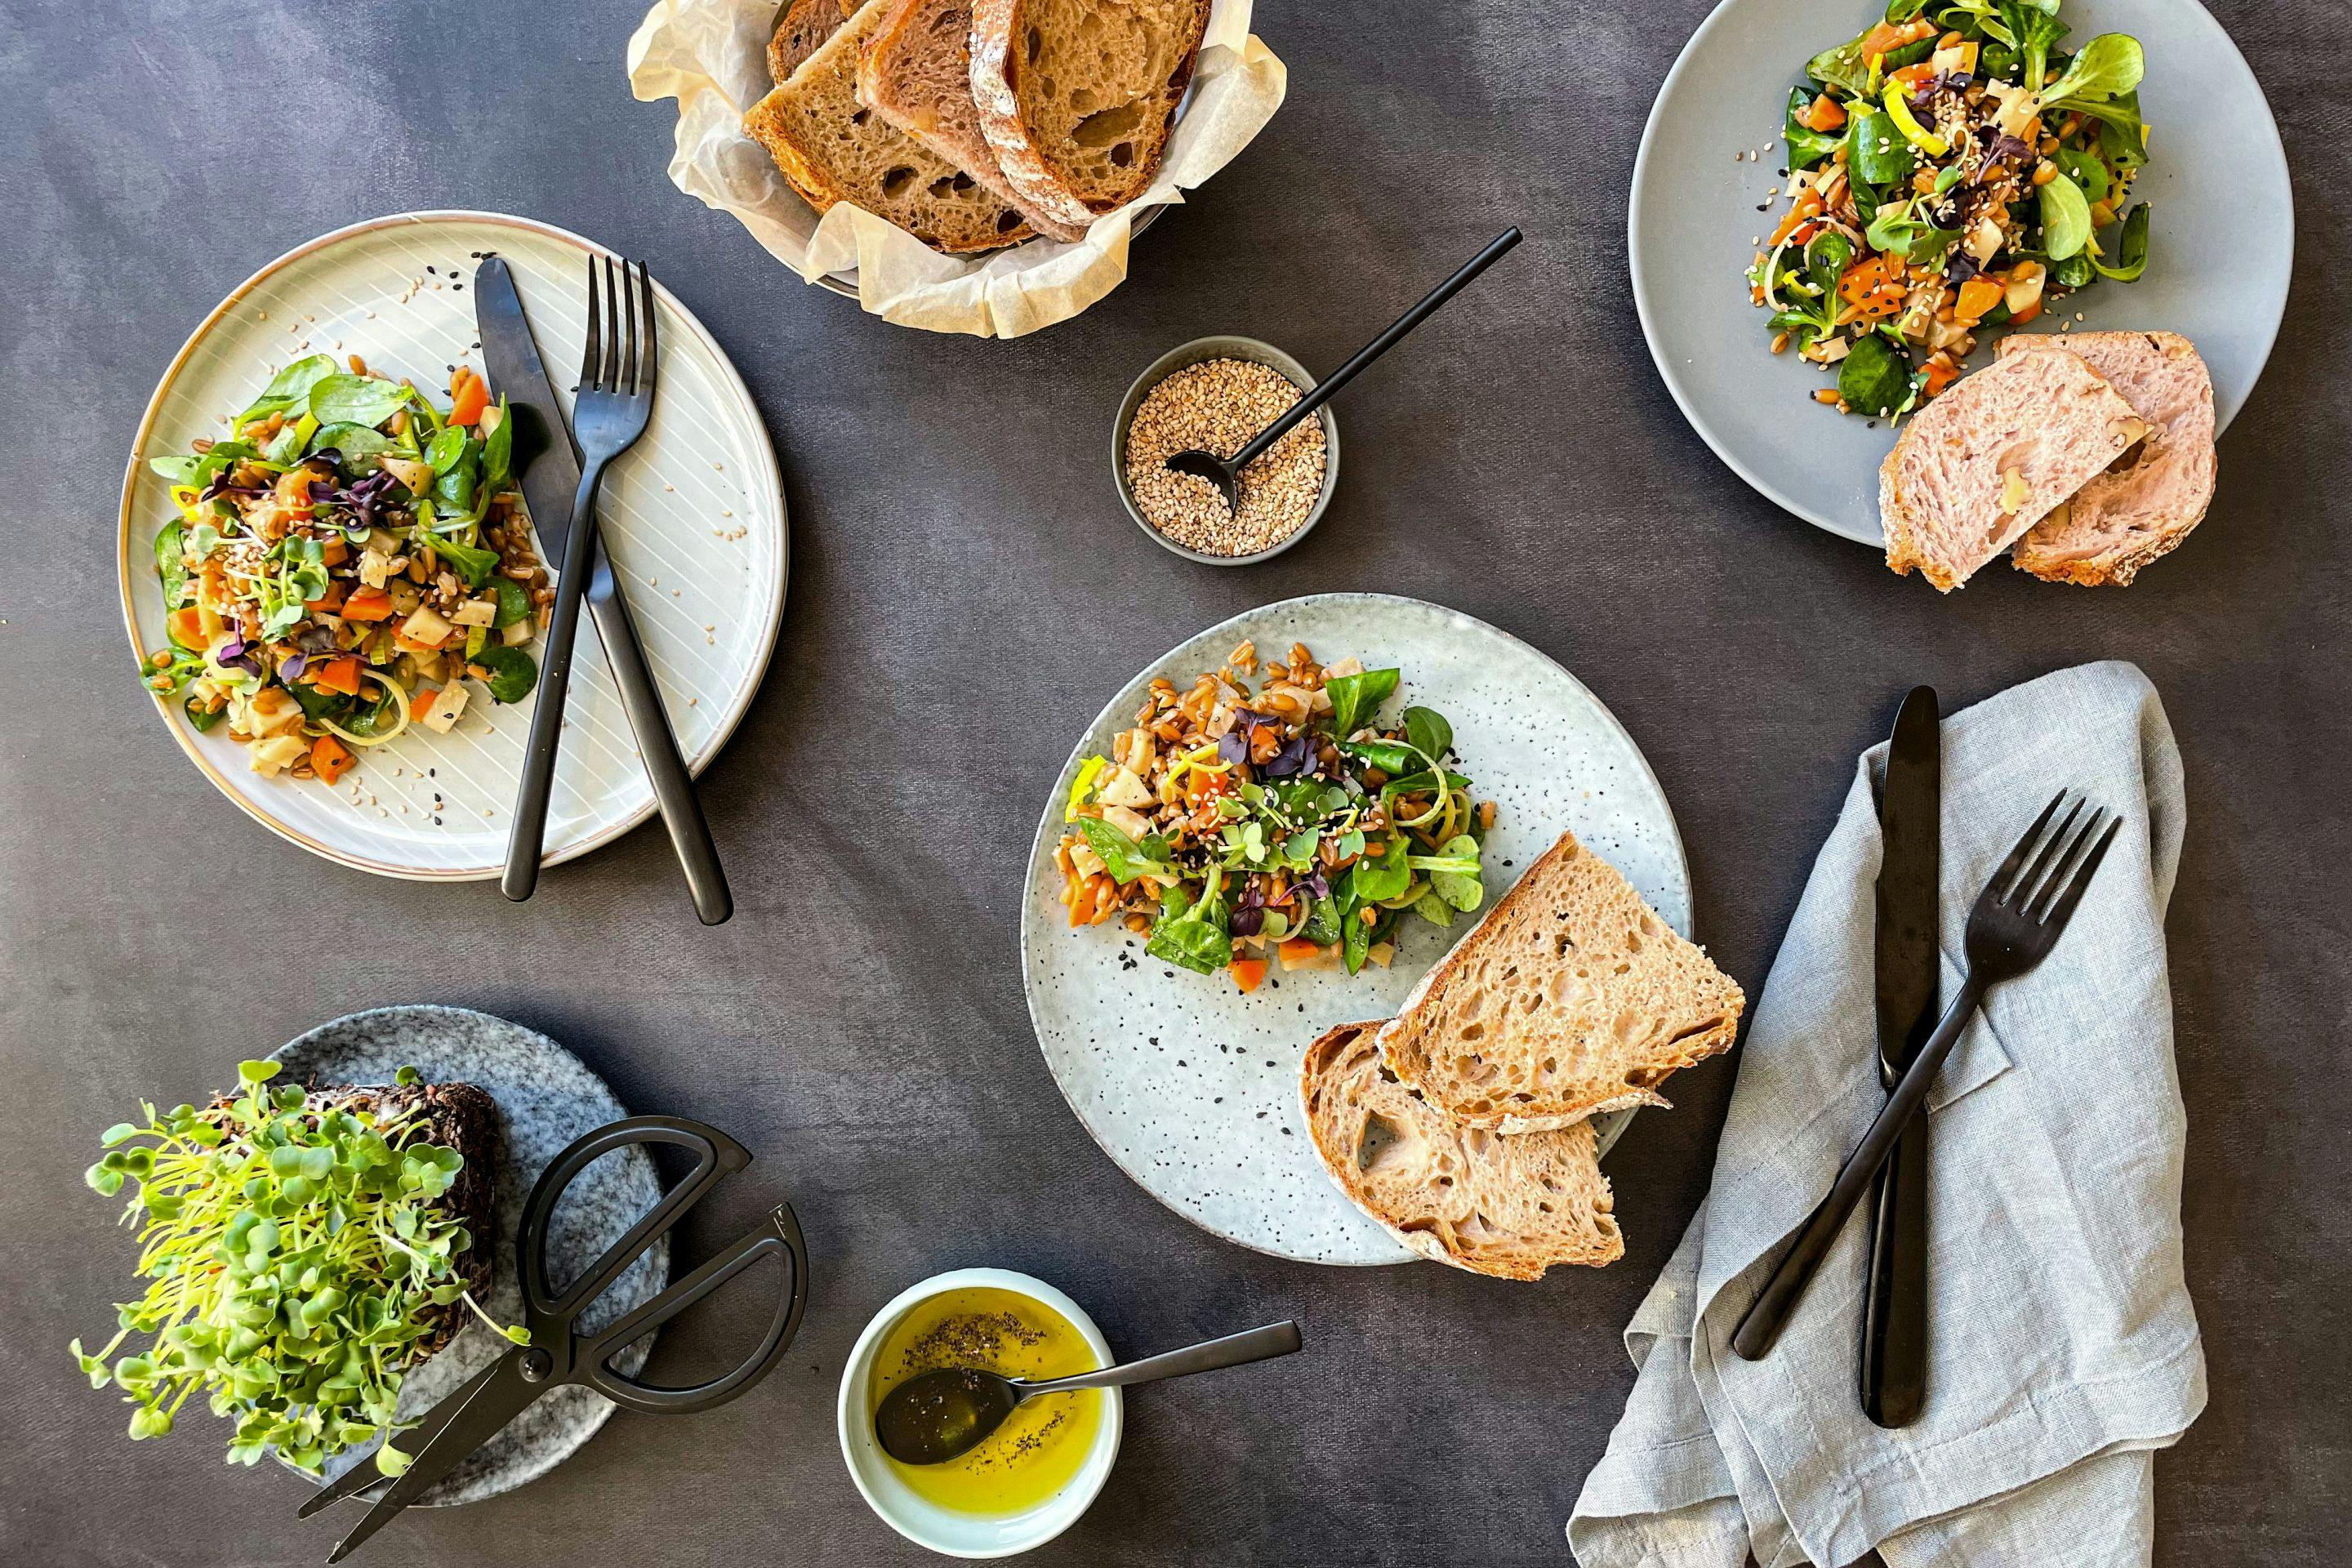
(1824, 115)
(368, 604)
(1864, 276)
(1809, 206)
(329, 601)
(1941, 373)
(1298, 950)
(330, 758)
(1978, 295)
(1886, 38)
(1912, 75)
(420, 703)
(188, 625)
(1248, 972)
(2031, 313)
(334, 553)
(337, 675)
(468, 395)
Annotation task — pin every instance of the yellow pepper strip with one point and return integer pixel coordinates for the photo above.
(1899, 109)
(1082, 787)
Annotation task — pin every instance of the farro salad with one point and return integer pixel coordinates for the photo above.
(1232, 822)
(1951, 170)
(342, 563)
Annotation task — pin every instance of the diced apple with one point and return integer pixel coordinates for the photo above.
(428, 627)
(477, 613)
(442, 717)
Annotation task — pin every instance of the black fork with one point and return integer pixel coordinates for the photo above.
(2018, 919)
(615, 399)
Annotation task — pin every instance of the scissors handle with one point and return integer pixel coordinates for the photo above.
(778, 1235)
(715, 1155)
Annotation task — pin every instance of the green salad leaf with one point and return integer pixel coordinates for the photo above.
(514, 605)
(2131, 249)
(1125, 858)
(1355, 699)
(2109, 66)
(1875, 377)
(1198, 937)
(359, 445)
(512, 673)
(471, 563)
(355, 400)
(2034, 29)
(1453, 872)
(1378, 877)
(2065, 219)
(2086, 169)
(1429, 734)
(289, 387)
(1875, 152)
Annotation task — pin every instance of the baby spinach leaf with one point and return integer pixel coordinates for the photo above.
(1874, 378)
(358, 445)
(1430, 735)
(1124, 857)
(2131, 249)
(1827, 255)
(2087, 170)
(1807, 146)
(514, 605)
(447, 446)
(1197, 939)
(2065, 219)
(355, 400)
(1377, 879)
(498, 450)
(1875, 151)
(290, 387)
(1322, 925)
(1844, 66)
(512, 673)
(1355, 699)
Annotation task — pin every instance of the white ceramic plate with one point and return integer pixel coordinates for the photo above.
(2221, 238)
(693, 517)
(1192, 1087)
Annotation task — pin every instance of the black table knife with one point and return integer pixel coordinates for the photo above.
(1895, 1295)
(549, 462)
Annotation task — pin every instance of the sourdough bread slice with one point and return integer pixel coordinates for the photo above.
(2144, 503)
(832, 149)
(1078, 97)
(915, 73)
(801, 30)
(1993, 456)
(1510, 1206)
(1571, 997)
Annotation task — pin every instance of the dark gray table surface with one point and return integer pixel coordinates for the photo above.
(964, 594)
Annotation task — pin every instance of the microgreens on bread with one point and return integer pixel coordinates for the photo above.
(296, 1258)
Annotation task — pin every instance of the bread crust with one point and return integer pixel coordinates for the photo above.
(801, 30)
(1403, 1046)
(995, 87)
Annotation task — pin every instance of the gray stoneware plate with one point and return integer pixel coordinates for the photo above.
(1192, 1087)
(2220, 248)
(549, 1099)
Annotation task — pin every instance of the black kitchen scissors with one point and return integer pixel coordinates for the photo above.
(557, 1355)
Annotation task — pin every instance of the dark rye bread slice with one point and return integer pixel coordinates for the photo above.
(801, 28)
(831, 149)
(1509, 1206)
(916, 72)
(1568, 998)
(459, 1116)
(1077, 98)
(1996, 454)
(2141, 506)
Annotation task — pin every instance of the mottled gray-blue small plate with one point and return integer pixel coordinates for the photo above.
(548, 1098)
(2222, 237)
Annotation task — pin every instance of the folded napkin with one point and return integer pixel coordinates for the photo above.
(2063, 1346)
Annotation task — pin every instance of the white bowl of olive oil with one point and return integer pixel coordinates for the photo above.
(1033, 1477)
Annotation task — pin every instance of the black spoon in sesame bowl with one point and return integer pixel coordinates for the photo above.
(935, 1416)
(1225, 472)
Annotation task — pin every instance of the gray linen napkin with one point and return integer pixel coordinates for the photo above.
(2063, 1346)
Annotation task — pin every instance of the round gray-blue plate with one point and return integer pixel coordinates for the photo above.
(1192, 1087)
(548, 1098)
(2220, 248)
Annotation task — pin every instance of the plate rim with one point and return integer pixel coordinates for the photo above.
(1045, 833)
(740, 702)
(602, 1412)
(1875, 539)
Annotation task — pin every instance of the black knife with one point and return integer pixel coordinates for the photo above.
(1894, 1293)
(549, 462)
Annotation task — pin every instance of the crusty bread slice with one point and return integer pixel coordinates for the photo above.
(1571, 997)
(1510, 1206)
(802, 28)
(833, 148)
(1992, 457)
(2144, 504)
(1078, 97)
(915, 73)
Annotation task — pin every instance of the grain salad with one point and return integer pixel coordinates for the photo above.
(1217, 405)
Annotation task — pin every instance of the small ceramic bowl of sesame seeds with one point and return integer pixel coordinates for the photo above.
(1213, 394)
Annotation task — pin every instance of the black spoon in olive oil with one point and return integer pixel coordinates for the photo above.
(1226, 473)
(935, 1416)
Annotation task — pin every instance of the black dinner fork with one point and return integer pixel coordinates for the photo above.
(2017, 919)
(609, 413)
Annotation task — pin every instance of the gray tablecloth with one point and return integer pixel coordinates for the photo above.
(2063, 1348)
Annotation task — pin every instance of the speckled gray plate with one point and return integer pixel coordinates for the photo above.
(1192, 1086)
(548, 1100)
(2221, 240)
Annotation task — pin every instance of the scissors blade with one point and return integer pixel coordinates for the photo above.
(364, 1476)
(499, 1394)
